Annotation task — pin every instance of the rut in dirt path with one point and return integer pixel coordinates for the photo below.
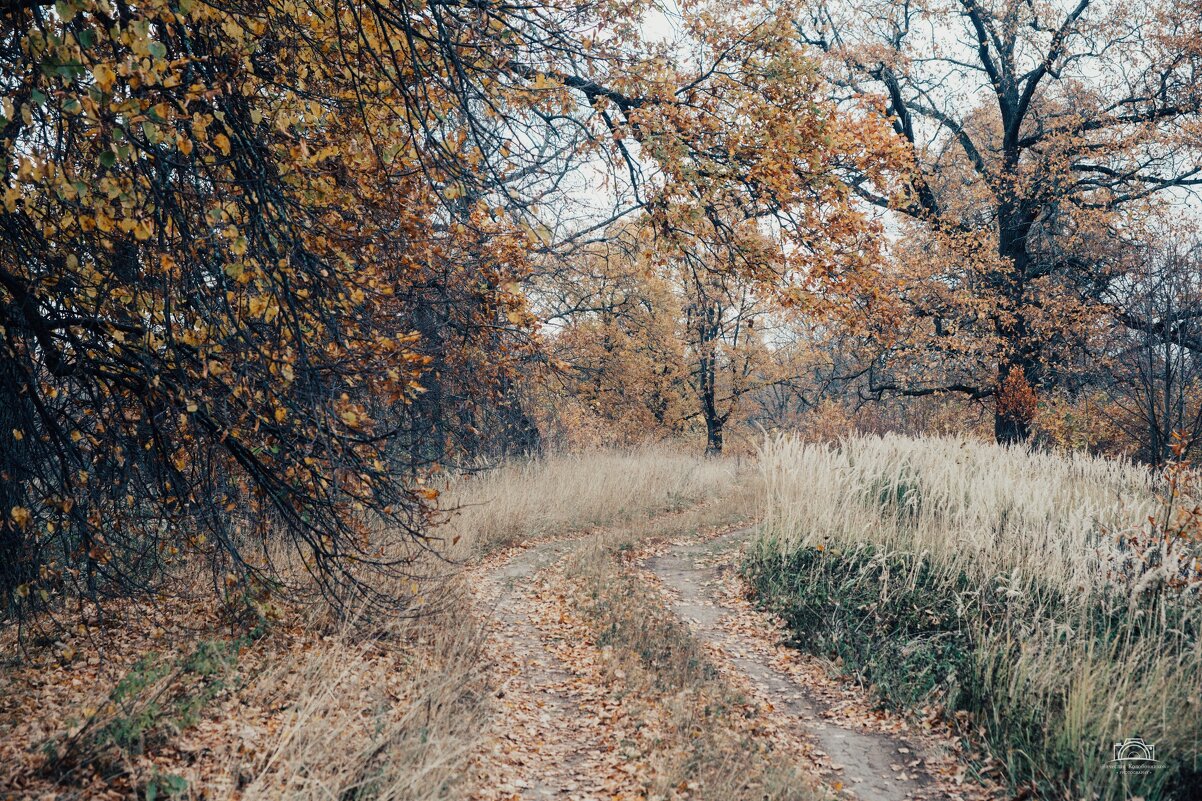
(544, 749)
(867, 761)
(554, 737)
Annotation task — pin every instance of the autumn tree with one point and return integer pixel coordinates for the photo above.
(721, 149)
(239, 244)
(1036, 131)
(725, 354)
(613, 328)
(654, 341)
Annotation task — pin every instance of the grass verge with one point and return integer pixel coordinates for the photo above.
(917, 565)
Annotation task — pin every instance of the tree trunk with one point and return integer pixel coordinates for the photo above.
(1010, 428)
(16, 563)
(713, 436)
(1015, 400)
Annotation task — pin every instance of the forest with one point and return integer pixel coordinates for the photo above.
(489, 400)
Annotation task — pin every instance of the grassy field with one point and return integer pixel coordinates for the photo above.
(1029, 593)
(525, 500)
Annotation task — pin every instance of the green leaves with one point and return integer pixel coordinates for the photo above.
(66, 10)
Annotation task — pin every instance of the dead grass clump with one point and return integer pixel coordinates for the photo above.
(369, 720)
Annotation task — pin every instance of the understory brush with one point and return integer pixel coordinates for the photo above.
(1050, 603)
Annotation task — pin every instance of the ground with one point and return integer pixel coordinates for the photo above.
(593, 639)
(563, 732)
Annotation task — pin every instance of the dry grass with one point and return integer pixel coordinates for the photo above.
(571, 492)
(988, 510)
(368, 720)
(1026, 589)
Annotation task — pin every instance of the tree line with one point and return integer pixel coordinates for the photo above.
(267, 268)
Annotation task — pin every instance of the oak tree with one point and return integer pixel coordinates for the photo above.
(1037, 131)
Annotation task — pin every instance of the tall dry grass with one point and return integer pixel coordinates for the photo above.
(394, 718)
(1035, 516)
(1026, 589)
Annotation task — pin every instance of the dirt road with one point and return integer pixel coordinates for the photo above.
(554, 737)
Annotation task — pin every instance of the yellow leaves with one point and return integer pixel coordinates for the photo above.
(222, 143)
(21, 516)
(232, 29)
(264, 307)
(105, 77)
(28, 170)
(200, 128)
(11, 195)
(542, 82)
(280, 414)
